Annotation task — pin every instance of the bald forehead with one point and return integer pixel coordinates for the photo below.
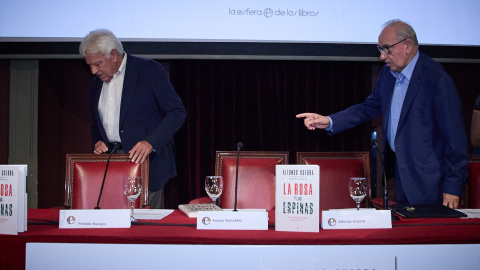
(387, 36)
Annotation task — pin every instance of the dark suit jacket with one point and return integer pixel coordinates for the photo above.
(150, 110)
(431, 142)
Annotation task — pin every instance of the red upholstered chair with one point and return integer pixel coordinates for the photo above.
(472, 195)
(256, 178)
(84, 176)
(336, 168)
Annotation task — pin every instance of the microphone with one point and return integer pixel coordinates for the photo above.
(115, 147)
(239, 147)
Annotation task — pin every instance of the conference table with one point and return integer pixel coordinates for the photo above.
(178, 229)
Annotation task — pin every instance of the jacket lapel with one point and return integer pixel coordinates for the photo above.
(412, 91)
(389, 85)
(131, 74)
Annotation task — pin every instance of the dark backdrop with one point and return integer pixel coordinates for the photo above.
(227, 101)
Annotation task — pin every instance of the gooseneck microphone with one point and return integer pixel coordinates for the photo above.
(114, 149)
(385, 189)
(239, 147)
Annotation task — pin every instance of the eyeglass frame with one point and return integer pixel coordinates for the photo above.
(387, 49)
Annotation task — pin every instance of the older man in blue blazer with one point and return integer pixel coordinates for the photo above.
(133, 105)
(422, 120)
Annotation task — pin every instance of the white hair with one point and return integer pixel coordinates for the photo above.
(101, 40)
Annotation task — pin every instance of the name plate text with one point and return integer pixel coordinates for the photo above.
(357, 219)
(101, 218)
(230, 220)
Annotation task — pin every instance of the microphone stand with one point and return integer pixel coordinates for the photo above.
(239, 146)
(385, 189)
(115, 147)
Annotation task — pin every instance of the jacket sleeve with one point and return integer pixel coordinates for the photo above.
(449, 118)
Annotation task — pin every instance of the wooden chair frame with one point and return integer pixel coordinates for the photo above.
(364, 156)
(223, 155)
(71, 159)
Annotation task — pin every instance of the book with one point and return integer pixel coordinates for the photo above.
(13, 199)
(22, 193)
(426, 211)
(191, 210)
(297, 198)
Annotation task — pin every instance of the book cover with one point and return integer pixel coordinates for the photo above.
(297, 198)
(191, 210)
(9, 199)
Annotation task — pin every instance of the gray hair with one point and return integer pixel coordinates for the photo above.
(101, 40)
(404, 30)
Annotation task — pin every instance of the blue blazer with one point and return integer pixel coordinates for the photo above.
(150, 110)
(431, 142)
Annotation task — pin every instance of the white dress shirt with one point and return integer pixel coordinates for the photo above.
(109, 103)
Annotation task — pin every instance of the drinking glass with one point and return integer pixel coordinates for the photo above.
(132, 187)
(214, 188)
(358, 189)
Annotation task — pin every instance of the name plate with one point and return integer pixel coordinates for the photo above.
(357, 219)
(230, 220)
(85, 219)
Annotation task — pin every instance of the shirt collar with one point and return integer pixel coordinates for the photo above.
(408, 70)
(122, 67)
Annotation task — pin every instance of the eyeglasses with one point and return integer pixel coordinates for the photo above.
(386, 49)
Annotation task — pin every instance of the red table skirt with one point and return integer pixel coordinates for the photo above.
(177, 228)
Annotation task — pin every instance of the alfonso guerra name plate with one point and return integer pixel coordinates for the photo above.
(357, 219)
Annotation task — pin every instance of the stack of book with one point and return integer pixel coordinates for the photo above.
(13, 199)
(191, 210)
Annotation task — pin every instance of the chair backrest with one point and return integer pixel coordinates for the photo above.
(256, 178)
(84, 176)
(473, 191)
(336, 168)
